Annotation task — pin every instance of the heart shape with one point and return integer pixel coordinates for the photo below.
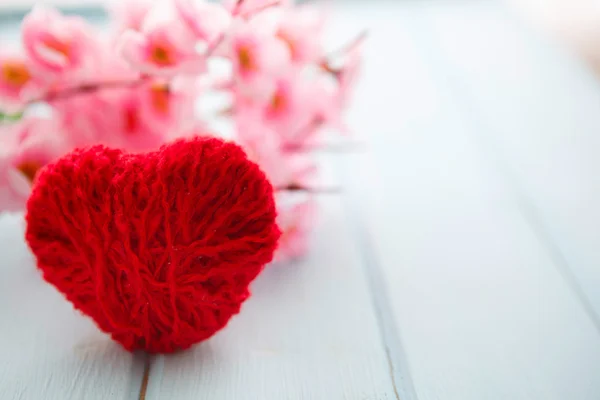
(158, 248)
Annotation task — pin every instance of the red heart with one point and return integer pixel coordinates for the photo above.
(158, 248)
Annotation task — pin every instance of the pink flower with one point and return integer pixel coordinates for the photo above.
(286, 100)
(292, 106)
(207, 21)
(17, 81)
(163, 48)
(112, 117)
(138, 118)
(264, 150)
(257, 55)
(289, 106)
(169, 106)
(327, 109)
(300, 29)
(264, 147)
(111, 67)
(58, 44)
(295, 222)
(14, 186)
(26, 147)
(129, 14)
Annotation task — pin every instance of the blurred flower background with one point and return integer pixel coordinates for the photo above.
(138, 76)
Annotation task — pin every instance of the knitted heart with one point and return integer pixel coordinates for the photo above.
(158, 248)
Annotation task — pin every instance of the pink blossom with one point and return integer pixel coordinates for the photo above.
(300, 29)
(295, 222)
(108, 69)
(207, 21)
(286, 101)
(327, 108)
(112, 117)
(14, 186)
(292, 105)
(129, 14)
(131, 127)
(17, 81)
(257, 55)
(163, 48)
(289, 106)
(139, 118)
(264, 147)
(25, 148)
(264, 150)
(111, 67)
(169, 106)
(58, 44)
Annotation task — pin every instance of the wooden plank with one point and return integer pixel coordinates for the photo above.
(538, 116)
(50, 351)
(482, 310)
(308, 332)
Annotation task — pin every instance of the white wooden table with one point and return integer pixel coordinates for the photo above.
(462, 261)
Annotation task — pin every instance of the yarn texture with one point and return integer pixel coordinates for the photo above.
(158, 248)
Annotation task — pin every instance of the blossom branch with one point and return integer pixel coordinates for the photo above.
(357, 41)
(348, 47)
(87, 88)
(237, 7)
(294, 187)
(352, 147)
(263, 7)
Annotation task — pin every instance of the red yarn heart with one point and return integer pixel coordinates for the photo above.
(158, 248)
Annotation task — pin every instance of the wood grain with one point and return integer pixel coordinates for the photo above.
(536, 111)
(481, 307)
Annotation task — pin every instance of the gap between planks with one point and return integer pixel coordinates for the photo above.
(399, 368)
(144, 384)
